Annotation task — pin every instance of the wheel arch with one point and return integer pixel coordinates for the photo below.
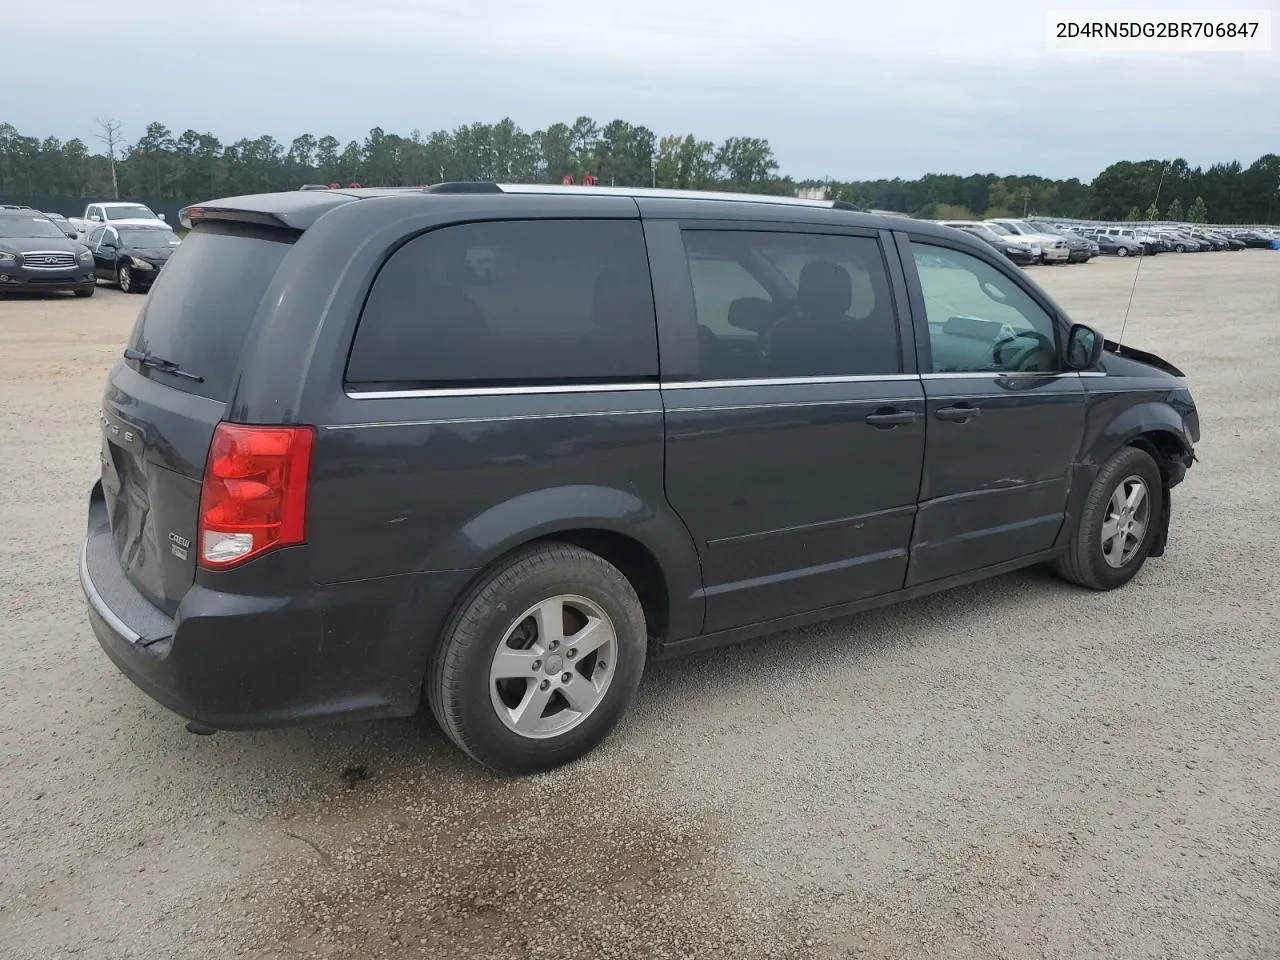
(646, 542)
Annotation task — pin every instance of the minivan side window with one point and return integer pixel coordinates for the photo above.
(780, 304)
(980, 320)
(532, 302)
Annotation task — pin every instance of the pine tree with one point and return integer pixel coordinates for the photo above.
(1198, 212)
(1175, 210)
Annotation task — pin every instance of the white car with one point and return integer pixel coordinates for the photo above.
(116, 213)
(1053, 249)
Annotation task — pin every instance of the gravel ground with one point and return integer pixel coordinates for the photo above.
(1015, 769)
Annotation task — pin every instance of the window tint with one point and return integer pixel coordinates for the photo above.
(95, 235)
(201, 305)
(133, 211)
(790, 305)
(980, 319)
(516, 302)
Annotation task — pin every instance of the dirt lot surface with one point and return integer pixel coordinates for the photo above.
(1015, 769)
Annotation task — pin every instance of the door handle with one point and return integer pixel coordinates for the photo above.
(887, 419)
(960, 413)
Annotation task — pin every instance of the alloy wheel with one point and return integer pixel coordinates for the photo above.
(1128, 516)
(553, 667)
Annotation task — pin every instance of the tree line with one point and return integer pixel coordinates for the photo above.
(169, 170)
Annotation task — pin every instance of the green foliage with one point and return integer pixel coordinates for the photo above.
(1175, 210)
(169, 170)
(1134, 214)
(1199, 213)
(1153, 212)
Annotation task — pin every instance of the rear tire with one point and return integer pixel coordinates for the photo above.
(1122, 515)
(540, 660)
(1122, 251)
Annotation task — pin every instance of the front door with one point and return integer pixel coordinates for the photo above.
(1005, 421)
(795, 441)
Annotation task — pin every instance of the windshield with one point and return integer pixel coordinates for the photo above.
(12, 227)
(130, 211)
(1001, 230)
(148, 239)
(981, 229)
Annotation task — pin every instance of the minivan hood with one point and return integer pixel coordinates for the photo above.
(1141, 356)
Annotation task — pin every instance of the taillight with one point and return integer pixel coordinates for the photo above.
(254, 496)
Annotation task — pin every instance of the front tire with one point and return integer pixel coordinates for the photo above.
(1122, 251)
(540, 660)
(87, 292)
(1122, 515)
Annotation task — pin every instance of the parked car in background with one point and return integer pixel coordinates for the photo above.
(36, 255)
(131, 255)
(1151, 244)
(1255, 239)
(1179, 242)
(413, 489)
(116, 212)
(1023, 254)
(14, 206)
(1079, 250)
(1211, 241)
(1119, 246)
(64, 225)
(1053, 248)
(1231, 242)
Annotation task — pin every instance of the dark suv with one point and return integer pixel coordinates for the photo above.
(499, 445)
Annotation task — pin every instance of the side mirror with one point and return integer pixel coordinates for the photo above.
(160, 215)
(71, 234)
(1084, 347)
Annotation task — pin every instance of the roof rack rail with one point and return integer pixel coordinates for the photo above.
(465, 186)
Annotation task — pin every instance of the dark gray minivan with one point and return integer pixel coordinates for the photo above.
(501, 444)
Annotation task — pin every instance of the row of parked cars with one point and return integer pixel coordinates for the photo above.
(122, 243)
(1031, 241)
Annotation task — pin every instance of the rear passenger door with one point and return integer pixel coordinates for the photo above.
(794, 418)
(1005, 419)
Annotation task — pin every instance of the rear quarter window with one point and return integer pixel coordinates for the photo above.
(202, 304)
(511, 303)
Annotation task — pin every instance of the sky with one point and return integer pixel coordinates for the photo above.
(843, 88)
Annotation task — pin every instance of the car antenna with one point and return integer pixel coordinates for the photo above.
(1138, 270)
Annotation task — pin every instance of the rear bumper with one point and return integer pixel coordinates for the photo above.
(243, 661)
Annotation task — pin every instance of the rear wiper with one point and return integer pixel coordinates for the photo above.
(149, 359)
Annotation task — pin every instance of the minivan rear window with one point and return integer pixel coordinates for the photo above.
(511, 303)
(200, 307)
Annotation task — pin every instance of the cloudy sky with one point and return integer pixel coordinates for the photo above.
(846, 88)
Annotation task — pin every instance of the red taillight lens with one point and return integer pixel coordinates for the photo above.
(254, 496)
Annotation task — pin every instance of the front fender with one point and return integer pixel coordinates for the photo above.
(1151, 417)
(543, 513)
